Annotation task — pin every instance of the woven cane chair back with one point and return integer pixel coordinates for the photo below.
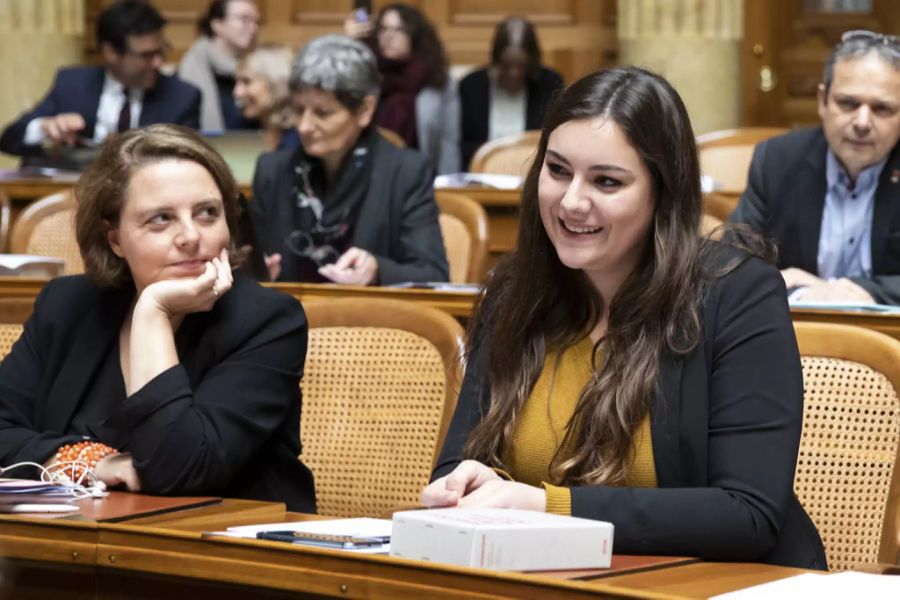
(847, 470)
(726, 155)
(13, 313)
(47, 228)
(379, 389)
(464, 227)
(510, 155)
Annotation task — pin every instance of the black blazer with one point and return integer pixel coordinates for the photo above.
(397, 223)
(475, 106)
(225, 421)
(725, 427)
(78, 89)
(785, 198)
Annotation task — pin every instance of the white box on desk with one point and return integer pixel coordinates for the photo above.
(505, 539)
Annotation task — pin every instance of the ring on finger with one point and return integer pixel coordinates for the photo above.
(215, 290)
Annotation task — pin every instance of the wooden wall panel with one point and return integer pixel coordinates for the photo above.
(577, 36)
(542, 12)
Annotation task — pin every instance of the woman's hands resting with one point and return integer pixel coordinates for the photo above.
(118, 470)
(472, 484)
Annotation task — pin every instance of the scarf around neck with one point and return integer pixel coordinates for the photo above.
(199, 66)
(402, 80)
(325, 213)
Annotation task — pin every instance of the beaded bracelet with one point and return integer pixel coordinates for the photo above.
(76, 460)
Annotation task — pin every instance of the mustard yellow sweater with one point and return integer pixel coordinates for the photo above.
(542, 427)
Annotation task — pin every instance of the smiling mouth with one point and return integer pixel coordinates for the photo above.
(579, 230)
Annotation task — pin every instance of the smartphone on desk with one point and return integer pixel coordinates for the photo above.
(324, 540)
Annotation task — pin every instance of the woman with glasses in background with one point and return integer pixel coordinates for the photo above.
(347, 206)
(418, 100)
(228, 31)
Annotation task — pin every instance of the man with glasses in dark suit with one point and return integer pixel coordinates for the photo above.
(829, 196)
(88, 103)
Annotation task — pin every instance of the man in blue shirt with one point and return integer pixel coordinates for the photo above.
(829, 196)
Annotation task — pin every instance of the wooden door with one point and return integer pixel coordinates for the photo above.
(786, 43)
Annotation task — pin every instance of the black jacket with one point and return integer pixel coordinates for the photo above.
(475, 107)
(397, 222)
(725, 427)
(785, 198)
(225, 421)
(78, 89)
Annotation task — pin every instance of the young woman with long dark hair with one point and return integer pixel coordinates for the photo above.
(622, 366)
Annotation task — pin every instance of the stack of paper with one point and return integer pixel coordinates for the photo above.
(24, 495)
(837, 586)
(489, 180)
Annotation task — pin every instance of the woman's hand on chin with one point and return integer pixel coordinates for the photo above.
(175, 297)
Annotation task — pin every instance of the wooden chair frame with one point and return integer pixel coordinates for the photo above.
(34, 214)
(5, 221)
(474, 218)
(388, 490)
(443, 331)
(392, 136)
(726, 155)
(882, 354)
(490, 149)
(14, 311)
(742, 136)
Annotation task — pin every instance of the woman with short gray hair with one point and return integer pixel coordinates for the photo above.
(319, 212)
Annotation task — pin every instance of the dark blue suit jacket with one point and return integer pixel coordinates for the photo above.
(77, 90)
(785, 199)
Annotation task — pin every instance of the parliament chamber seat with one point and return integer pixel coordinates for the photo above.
(379, 389)
(47, 228)
(848, 474)
(464, 227)
(509, 155)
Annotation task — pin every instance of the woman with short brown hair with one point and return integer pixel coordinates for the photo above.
(161, 369)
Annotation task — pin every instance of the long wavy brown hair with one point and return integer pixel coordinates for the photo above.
(533, 304)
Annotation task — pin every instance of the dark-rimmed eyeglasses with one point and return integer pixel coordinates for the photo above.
(149, 55)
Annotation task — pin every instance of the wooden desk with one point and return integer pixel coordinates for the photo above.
(166, 555)
(17, 296)
(502, 206)
(25, 189)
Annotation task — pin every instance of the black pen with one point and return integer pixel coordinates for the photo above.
(341, 542)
